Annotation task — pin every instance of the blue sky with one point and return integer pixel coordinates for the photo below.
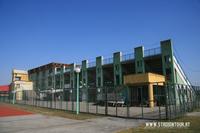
(36, 32)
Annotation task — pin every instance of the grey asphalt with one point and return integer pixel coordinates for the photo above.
(38, 123)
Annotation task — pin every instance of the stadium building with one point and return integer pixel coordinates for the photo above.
(139, 70)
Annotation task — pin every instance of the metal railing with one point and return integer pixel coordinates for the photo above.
(127, 57)
(108, 61)
(92, 64)
(67, 70)
(152, 52)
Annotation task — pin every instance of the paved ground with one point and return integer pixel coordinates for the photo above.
(37, 123)
(193, 114)
(15, 120)
(135, 112)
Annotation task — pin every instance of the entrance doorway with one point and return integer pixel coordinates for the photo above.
(139, 94)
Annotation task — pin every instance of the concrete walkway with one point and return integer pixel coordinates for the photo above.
(193, 114)
(37, 123)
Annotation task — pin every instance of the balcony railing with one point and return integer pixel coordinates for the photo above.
(92, 64)
(57, 72)
(108, 61)
(67, 85)
(67, 70)
(127, 57)
(151, 52)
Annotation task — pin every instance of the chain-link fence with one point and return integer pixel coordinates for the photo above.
(169, 100)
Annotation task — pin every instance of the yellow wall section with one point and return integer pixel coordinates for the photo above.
(143, 78)
(24, 77)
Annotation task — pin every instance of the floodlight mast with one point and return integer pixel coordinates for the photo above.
(77, 71)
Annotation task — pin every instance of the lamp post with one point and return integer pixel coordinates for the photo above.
(77, 70)
(38, 91)
(71, 99)
(52, 97)
(14, 93)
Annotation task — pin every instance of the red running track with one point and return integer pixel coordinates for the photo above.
(6, 110)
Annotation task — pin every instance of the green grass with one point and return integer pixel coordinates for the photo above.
(55, 112)
(194, 127)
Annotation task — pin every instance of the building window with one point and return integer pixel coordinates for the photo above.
(57, 81)
(50, 71)
(66, 79)
(17, 85)
(67, 69)
(58, 69)
(17, 78)
(49, 81)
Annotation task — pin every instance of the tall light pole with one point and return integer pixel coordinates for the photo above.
(14, 96)
(14, 92)
(52, 97)
(77, 70)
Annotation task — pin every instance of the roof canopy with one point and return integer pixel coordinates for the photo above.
(143, 78)
(4, 88)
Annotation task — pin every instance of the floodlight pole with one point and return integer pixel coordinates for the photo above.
(77, 70)
(13, 97)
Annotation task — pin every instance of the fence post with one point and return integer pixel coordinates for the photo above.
(128, 102)
(175, 98)
(106, 102)
(159, 95)
(116, 100)
(87, 108)
(66, 98)
(72, 99)
(142, 102)
(198, 96)
(96, 100)
(166, 101)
